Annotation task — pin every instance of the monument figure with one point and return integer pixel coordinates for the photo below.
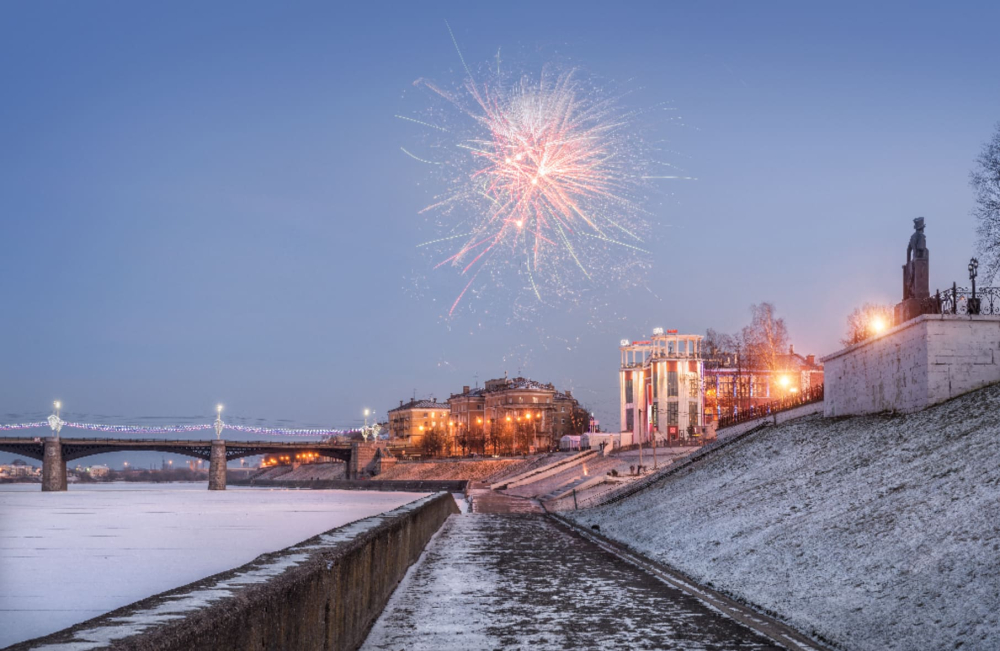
(916, 274)
(916, 278)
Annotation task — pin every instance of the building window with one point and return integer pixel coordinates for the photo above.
(671, 384)
(672, 414)
(693, 413)
(628, 390)
(629, 419)
(693, 386)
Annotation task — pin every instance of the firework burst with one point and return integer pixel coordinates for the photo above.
(545, 179)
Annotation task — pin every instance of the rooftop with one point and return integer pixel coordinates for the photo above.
(420, 404)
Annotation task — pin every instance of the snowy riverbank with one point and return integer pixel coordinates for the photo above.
(67, 557)
(877, 533)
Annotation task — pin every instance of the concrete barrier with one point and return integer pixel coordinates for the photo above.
(404, 485)
(324, 593)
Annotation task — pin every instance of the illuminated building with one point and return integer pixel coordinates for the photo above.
(543, 414)
(732, 387)
(530, 415)
(408, 422)
(661, 387)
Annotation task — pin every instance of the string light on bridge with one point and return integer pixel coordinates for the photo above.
(56, 423)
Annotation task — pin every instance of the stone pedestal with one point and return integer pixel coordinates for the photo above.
(53, 466)
(916, 290)
(217, 467)
(911, 308)
(917, 286)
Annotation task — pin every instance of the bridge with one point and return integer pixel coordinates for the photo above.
(54, 452)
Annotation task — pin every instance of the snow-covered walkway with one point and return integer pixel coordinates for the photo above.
(520, 581)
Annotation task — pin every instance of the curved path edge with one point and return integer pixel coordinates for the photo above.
(765, 624)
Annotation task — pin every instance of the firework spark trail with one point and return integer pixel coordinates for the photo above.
(542, 174)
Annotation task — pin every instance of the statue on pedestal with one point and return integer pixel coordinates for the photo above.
(916, 278)
(916, 274)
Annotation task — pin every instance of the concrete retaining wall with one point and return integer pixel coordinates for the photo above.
(406, 485)
(324, 593)
(916, 364)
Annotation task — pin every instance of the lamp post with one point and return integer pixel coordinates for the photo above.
(55, 422)
(219, 426)
(640, 410)
(973, 272)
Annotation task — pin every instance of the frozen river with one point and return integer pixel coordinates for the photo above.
(67, 557)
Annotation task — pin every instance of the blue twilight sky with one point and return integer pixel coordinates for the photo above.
(206, 202)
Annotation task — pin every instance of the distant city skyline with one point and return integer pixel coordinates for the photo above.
(207, 204)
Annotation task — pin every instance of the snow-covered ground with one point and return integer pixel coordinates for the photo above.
(878, 532)
(67, 557)
(517, 581)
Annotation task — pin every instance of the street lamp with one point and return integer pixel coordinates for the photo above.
(55, 422)
(219, 426)
(973, 272)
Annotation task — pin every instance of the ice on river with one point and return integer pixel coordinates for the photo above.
(67, 557)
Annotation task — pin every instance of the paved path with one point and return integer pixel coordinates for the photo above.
(520, 580)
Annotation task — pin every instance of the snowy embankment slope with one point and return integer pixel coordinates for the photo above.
(873, 532)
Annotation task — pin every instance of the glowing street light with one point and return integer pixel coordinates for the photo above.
(218, 421)
(55, 422)
(879, 325)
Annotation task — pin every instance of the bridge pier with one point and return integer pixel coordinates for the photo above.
(217, 467)
(53, 466)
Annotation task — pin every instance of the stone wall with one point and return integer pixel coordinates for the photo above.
(412, 486)
(324, 593)
(916, 364)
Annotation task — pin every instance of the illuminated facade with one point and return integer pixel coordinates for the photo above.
(538, 411)
(661, 383)
(730, 388)
(408, 422)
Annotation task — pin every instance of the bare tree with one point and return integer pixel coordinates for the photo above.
(866, 322)
(756, 347)
(433, 443)
(985, 180)
(717, 348)
(768, 336)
